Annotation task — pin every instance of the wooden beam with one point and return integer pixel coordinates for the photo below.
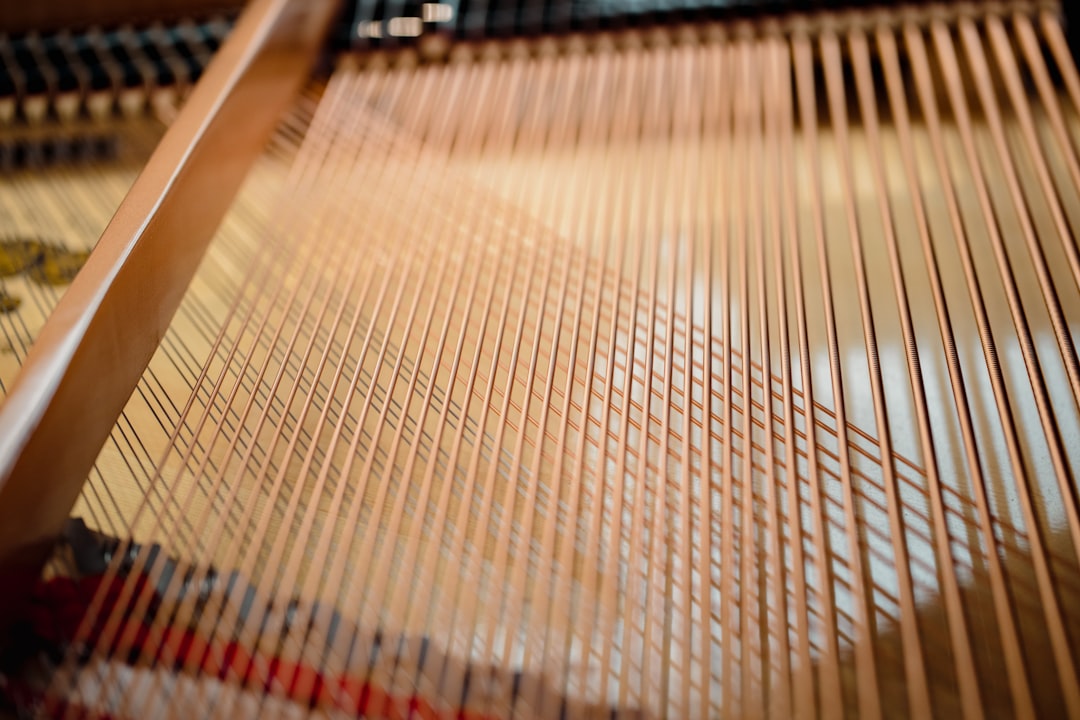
(92, 351)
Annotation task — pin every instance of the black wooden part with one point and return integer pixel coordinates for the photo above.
(34, 82)
(86, 548)
(131, 75)
(100, 78)
(162, 72)
(480, 19)
(7, 83)
(67, 80)
(196, 65)
(213, 34)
